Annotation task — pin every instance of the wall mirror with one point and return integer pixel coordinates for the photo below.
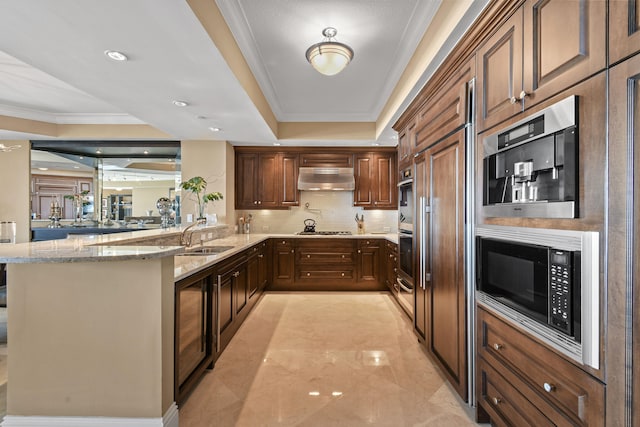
(117, 182)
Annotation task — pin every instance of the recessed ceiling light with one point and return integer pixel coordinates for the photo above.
(276, 143)
(145, 152)
(215, 129)
(115, 55)
(76, 167)
(394, 136)
(43, 169)
(81, 157)
(179, 103)
(98, 151)
(375, 144)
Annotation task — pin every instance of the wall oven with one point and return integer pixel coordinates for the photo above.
(403, 285)
(545, 281)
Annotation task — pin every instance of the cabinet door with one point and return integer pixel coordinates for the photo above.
(225, 303)
(564, 43)
(252, 272)
(362, 196)
(421, 312)
(499, 69)
(405, 145)
(283, 262)
(241, 288)
(263, 266)
(384, 174)
(268, 181)
(447, 288)
(623, 292)
(193, 322)
(246, 184)
(368, 259)
(624, 29)
(289, 194)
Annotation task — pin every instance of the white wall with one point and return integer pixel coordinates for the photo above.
(332, 211)
(15, 188)
(214, 161)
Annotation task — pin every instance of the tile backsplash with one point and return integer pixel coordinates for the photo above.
(332, 210)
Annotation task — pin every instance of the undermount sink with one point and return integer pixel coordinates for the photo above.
(207, 250)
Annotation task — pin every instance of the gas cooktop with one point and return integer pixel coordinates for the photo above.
(325, 233)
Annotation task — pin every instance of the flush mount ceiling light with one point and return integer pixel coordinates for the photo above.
(215, 129)
(329, 57)
(115, 55)
(179, 103)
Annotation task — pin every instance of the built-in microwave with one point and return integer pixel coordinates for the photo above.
(545, 277)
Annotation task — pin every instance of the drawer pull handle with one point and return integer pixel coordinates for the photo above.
(498, 347)
(549, 387)
(496, 400)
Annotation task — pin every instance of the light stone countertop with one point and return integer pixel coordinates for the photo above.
(131, 245)
(185, 266)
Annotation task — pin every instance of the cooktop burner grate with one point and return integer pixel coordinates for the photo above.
(325, 233)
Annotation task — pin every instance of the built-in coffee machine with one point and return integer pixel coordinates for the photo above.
(531, 167)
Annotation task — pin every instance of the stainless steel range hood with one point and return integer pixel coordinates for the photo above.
(326, 179)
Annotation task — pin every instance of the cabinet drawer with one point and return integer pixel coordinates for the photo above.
(338, 160)
(311, 256)
(368, 243)
(574, 392)
(305, 274)
(505, 404)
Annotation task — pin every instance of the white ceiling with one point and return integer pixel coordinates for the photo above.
(53, 67)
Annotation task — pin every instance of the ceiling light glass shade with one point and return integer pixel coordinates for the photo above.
(329, 57)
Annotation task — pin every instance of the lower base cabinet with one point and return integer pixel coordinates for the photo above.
(194, 340)
(210, 306)
(522, 382)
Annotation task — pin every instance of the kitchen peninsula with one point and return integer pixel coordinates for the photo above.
(101, 308)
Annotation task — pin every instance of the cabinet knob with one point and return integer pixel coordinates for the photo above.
(259, 202)
(523, 95)
(498, 347)
(513, 100)
(342, 256)
(342, 274)
(308, 274)
(390, 255)
(260, 256)
(367, 242)
(236, 274)
(496, 400)
(284, 242)
(549, 387)
(255, 202)
(359, 251)
(308, 256)
(291, 250)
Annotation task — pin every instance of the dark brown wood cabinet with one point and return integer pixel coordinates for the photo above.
(193, 338)
(376, 180)
(624, 29)
(623, 255)
(390, 262)
(524, 63)
(335, 160)
(521, 381)
(324, 264)
(368, 263)
(266, 180)
(283, 262)
(440, 302)
(446, 111)
(232, 296)
(405, 145)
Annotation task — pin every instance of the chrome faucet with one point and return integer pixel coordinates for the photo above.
(186, 240)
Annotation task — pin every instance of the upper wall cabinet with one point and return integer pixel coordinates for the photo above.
(336, 160)
(376, 183)
(405, 145)
(624, 29)
(266, 180)
(542, 49)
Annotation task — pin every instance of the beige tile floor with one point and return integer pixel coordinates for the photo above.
(324, 359)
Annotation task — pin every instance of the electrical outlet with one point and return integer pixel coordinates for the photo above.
(189, 217)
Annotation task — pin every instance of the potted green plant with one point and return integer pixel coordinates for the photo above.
(198, 187)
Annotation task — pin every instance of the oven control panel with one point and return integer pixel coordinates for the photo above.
(560, 292)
